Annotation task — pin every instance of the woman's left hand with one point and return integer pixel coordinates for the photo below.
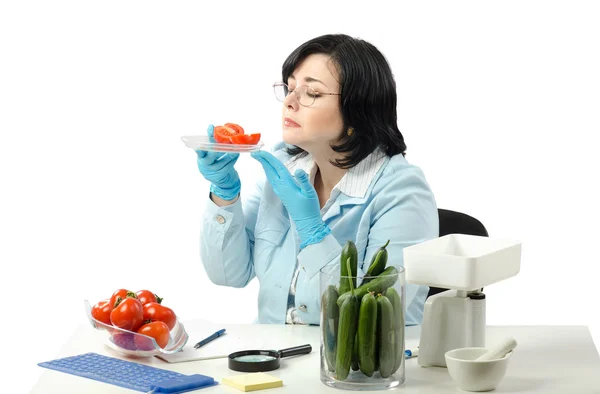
(297, 195)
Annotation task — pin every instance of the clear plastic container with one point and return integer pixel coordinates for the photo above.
(202, 142)
(134, 344)
(392, 374)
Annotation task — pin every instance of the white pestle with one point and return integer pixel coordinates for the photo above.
(498, 351)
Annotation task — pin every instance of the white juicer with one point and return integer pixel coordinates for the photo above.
(464, 264)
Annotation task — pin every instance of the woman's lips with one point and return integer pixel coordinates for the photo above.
(290, 123)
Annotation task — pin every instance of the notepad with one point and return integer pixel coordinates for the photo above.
(252, 381)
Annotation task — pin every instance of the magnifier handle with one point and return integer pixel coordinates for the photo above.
(293, 351)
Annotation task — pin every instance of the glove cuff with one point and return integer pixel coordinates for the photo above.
(227, 194)
(317, 236)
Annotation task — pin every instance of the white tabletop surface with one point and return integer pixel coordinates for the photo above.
(548, 359)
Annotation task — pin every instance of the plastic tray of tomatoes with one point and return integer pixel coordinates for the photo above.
(229, 137)
(137, 324)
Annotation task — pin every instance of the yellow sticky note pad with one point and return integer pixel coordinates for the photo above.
(253, 381)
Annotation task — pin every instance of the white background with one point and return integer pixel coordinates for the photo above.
(498, 102)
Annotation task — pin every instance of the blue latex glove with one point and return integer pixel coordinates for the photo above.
(217, 168)
(298, 196)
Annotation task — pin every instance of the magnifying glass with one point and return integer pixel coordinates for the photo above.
(263, 360)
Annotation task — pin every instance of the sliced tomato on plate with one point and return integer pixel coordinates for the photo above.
(245, 139)
(236, 127)
(233, 133)
(223, 133)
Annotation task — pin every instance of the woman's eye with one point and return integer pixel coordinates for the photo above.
(312, 95)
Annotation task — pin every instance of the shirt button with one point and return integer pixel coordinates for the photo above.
(220, 219)
(303, 308)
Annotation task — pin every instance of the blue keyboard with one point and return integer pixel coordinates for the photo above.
(128, 374)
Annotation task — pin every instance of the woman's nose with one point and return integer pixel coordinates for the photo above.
(291, 102)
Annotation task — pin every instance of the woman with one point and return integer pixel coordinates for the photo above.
(340, 174)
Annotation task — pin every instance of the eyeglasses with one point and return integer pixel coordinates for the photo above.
(305, 94)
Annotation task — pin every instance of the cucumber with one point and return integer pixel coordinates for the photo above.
(376, 352)
(378, 285)
(396, 302)
(346, 331)
(378, 263)
(355, 366)
(330, 315)
(367, 334)
(385, 333)
(348, 252)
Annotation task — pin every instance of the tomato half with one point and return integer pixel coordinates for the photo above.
(157, 330)
(154, 311)
(128, 314)
(239, 129)
(101, 311)
(146, 296)
(245, 139)
(222, 134)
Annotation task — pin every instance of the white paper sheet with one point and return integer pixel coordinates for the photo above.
(221, 347)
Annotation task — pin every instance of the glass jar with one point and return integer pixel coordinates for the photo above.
(362, 330)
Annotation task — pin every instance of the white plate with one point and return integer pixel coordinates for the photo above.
(201, 142)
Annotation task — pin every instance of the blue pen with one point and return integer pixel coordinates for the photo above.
(411, 353)
(210, 338)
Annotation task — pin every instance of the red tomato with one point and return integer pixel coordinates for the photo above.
(157, 330)
(239, 129)
(157, 312)
(128, 314)
(245, 139)
(101, 311)
(222, 134)
(119, 293)
(146, 296)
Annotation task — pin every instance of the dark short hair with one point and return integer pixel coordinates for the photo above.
(368, 96)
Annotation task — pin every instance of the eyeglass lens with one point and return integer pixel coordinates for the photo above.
(305, 94)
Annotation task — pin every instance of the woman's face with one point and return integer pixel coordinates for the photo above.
(313, 128)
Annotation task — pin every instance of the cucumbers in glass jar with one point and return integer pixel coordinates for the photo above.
(370, 325)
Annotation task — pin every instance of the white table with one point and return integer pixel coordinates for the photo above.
(548, 359)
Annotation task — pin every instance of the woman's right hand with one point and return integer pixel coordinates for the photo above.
(217, 168)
